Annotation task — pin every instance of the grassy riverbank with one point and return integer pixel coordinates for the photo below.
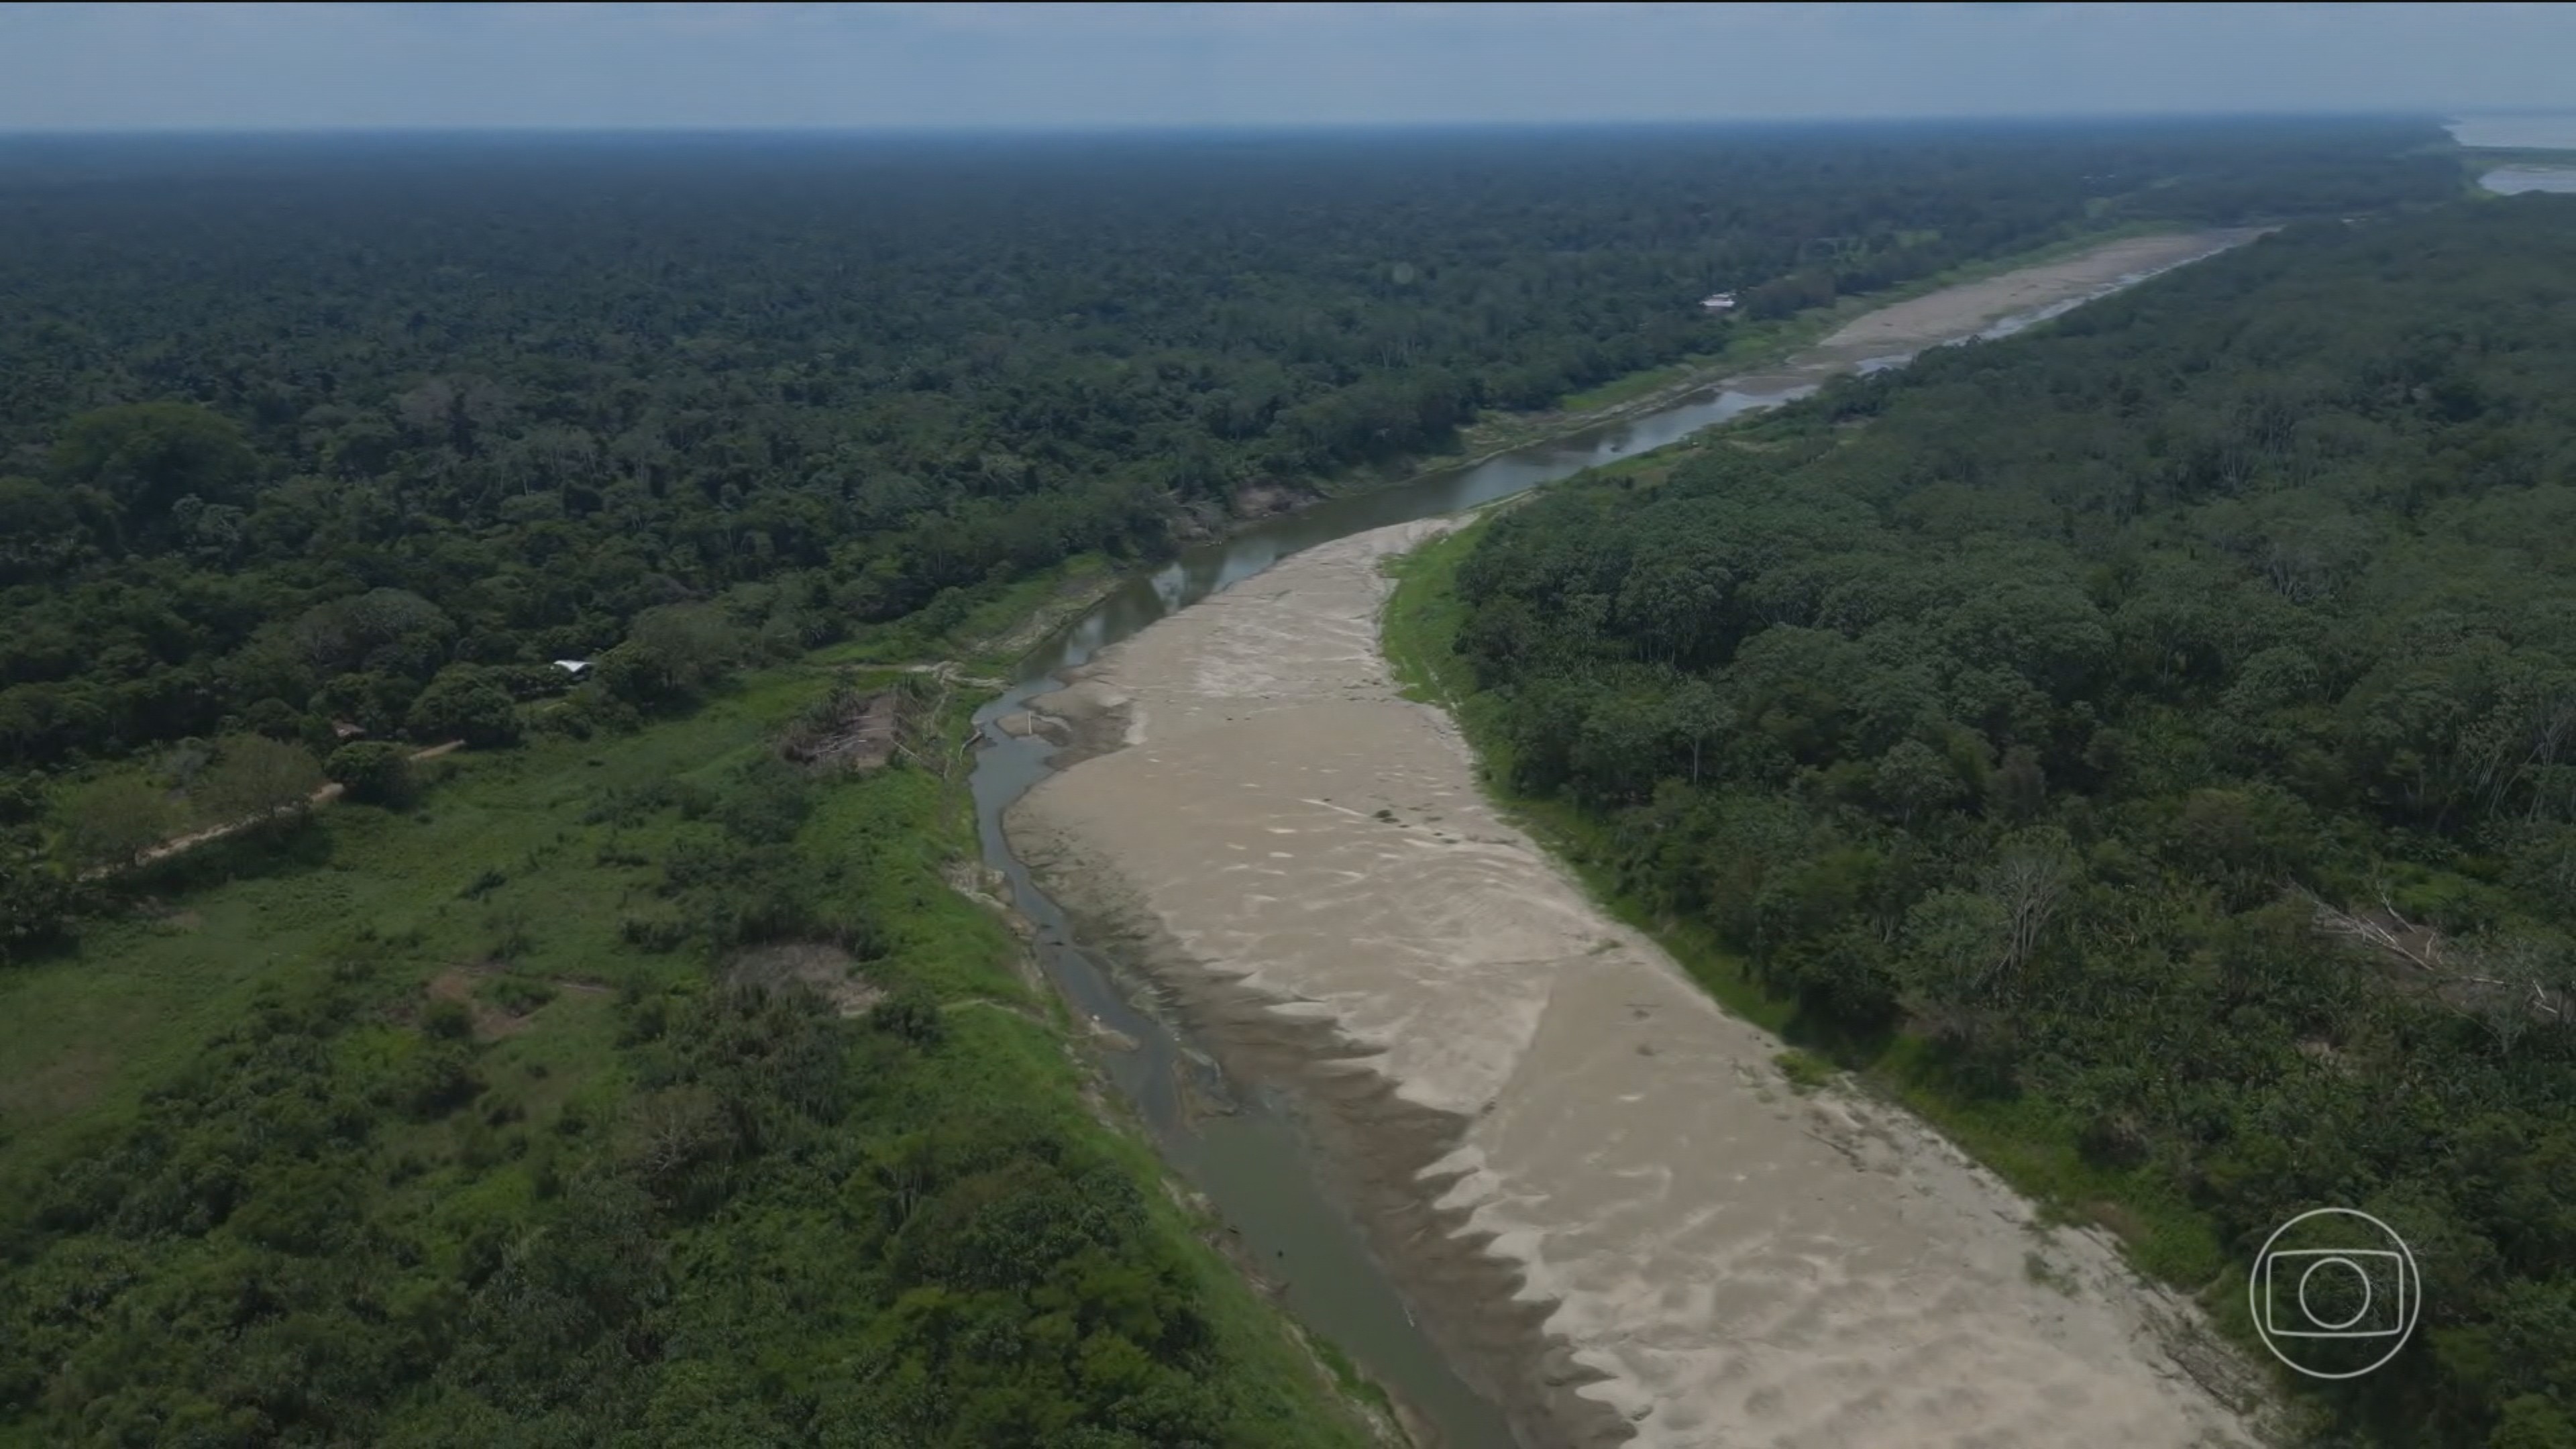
(632, 1084)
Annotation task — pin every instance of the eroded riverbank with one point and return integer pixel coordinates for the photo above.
(1611, 1208)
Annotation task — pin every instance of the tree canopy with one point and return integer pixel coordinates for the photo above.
(294, 428)
(2164, 718)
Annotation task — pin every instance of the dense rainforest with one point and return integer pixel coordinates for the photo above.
(621, 1079)
(2157, 732)
(286, 429)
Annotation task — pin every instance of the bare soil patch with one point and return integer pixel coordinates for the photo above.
(491, 1021)
(853, 732)
(476, 987)
(831, 972)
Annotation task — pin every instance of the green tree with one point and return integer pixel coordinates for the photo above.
(148, 456)
(110, 824)
(257, 779)
(1698, 715)
(2533, 1422)
(374, 772)
(1912, 779)
(464, 702)
(2018, 789)
(670, 654)
(385, 630)
(37, 895)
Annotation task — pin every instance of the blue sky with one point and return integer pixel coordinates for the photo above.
(256, 66)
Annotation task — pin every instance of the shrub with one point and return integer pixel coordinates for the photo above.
(464, 703)
(373, 772)
(912, 1015)
(113, 822)
(256, 778)
(448, 1020)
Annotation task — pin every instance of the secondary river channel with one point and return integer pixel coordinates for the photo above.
(1239, 1144)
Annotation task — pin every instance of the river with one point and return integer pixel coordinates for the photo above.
(2526, 131)
(2514, 180)
(2545, 132)
(1240, 1144)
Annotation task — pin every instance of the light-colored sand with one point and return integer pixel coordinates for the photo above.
(1956, 311)
(1717, 1259)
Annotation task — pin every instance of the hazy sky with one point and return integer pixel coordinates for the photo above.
(90, 67)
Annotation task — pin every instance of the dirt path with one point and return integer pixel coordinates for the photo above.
(322, 795)
(1600, 1192)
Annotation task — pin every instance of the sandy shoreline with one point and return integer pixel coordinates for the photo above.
(1937, 317)
(1606, 1200)
(1599, 1192)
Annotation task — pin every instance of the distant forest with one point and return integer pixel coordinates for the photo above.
(2155, 735)
(289, 428)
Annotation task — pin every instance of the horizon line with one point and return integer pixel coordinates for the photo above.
(1204, 128)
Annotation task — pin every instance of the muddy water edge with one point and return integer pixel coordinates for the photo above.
(1229, 1128)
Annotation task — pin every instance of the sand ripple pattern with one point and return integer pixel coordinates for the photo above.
(1729, 1262)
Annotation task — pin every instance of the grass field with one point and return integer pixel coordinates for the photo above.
(214, 925)
(518, 918)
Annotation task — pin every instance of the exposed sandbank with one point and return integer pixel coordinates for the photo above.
(1601, 1195)
(1598, 1191)
(1928, 321)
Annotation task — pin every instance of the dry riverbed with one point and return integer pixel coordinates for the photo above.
(1601, 1195)
(1927, 321)
(1597, 1188)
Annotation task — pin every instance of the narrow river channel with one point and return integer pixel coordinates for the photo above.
(1249, 1156)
